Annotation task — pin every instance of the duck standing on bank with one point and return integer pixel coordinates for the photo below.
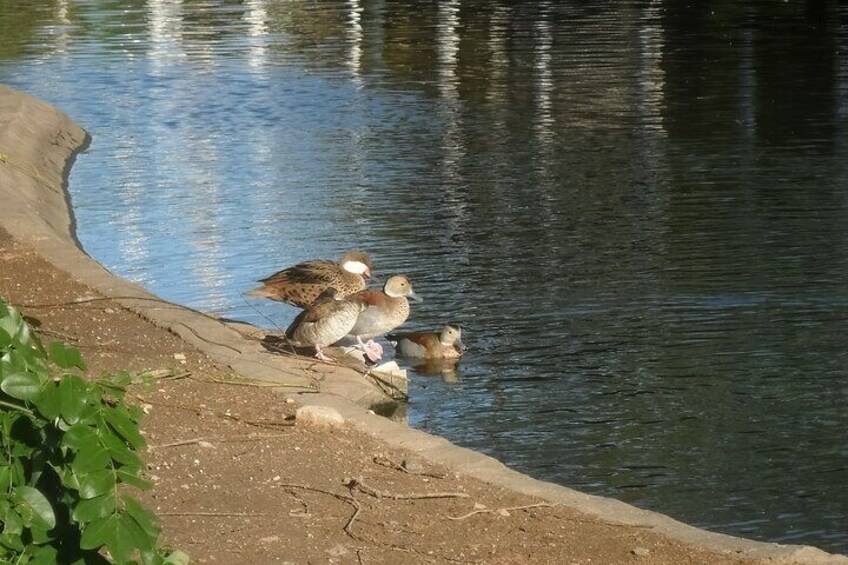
(328, 319)
(382, 311)
(301, 284)
(446, 344)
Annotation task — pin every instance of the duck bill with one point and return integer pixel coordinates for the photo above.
(459, 345)
(367, 274)
(415, 297)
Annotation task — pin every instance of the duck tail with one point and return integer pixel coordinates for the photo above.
(263, 292)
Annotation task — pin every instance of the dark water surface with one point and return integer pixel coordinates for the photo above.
(638, 211)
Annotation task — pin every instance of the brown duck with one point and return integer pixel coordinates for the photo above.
(324, 322)
(446, 344)
(382, 312)
(301, 284)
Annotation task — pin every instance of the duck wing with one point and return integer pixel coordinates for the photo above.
(325, 322)
(317, 271)
(424, 339)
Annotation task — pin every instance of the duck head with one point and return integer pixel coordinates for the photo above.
(356, 262)
(399, 286)
(452, 335)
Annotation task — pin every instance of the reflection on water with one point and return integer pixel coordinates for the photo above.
(636, 210)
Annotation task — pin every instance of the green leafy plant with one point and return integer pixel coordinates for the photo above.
(67, 445)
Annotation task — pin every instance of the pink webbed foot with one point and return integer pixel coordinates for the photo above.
(373, 350)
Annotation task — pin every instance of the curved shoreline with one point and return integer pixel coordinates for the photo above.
(39, 145)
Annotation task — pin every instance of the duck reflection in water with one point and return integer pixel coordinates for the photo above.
(444, 368)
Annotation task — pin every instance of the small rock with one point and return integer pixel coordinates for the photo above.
(319, 416)
(289, 400)
(641, 551)
(479, 506)
(412, 465)
(504, 512)
(269, 539)
(180, 356)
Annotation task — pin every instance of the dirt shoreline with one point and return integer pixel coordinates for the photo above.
(236, 480)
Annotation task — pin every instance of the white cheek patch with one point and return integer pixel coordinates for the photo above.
(355, 267)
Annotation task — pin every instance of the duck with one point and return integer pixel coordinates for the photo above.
(446, 344)
(382, 311)
(301, 284)
(327, 320)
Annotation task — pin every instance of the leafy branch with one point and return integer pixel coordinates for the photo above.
(67, 446)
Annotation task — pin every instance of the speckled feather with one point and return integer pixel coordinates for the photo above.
(301, 284)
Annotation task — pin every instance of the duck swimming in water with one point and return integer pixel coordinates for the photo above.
(301, 284)
(446, 344)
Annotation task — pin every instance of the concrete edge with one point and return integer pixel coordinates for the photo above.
(38, 146)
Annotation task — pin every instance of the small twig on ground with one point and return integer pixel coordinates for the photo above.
(499, 510)
(241, 381)
(348, 527)
(163, 375)
(269, 424)
(238, 439)
(215, 514)
(357, 484)
(386, 462)
(58, 334)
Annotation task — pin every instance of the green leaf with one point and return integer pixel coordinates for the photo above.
(151, 558)
(144, 518)
(38, 503)
(40, 534)
(177, 558)
(118, 448)
(12, 541)
(44, 555)
(10, 321)
(5, 478)
(65, 357)
(5, 339)
(91, 457)
(132, 479)
(114, 532)
(139, 538)
(73, 393)
(96, 483)
(93, 509)
(122, 422)
(99, 532)
(79, 436)
(12, 523)
(23, 386)
(47, 401)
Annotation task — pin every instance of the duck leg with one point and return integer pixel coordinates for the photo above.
(320, 355)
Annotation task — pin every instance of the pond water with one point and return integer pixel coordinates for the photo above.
(637, 210)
